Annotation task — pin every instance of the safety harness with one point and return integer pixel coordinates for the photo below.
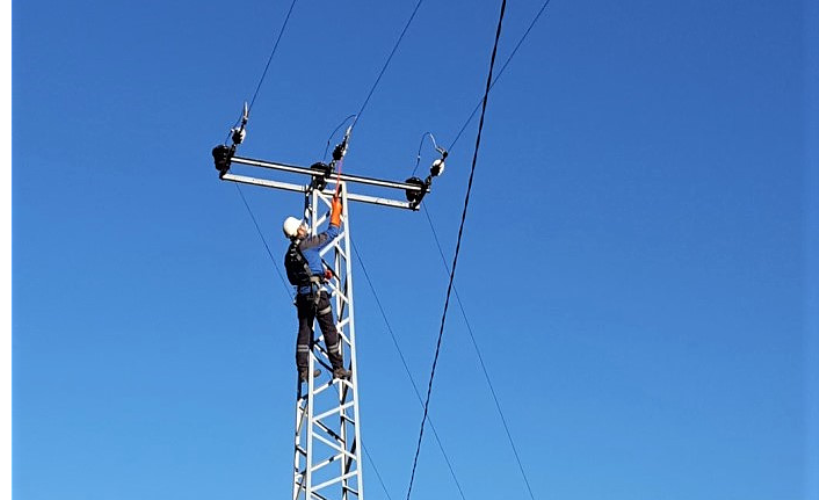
(299, 273)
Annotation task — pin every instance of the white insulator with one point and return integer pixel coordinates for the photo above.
(437, 167)
(239, 135)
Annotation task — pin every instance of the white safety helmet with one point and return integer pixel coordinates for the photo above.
(291, 227)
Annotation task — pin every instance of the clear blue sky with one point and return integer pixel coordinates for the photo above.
(638, 260)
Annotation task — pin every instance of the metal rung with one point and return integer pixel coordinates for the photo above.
(336, 480)
(327, 462)
(330, 432)
(318, 390)
(320, 497)
(331, 412)
(339, 449)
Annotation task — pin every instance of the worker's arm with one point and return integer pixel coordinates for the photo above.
(322, 239)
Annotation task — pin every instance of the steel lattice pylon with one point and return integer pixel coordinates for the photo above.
(327, 454)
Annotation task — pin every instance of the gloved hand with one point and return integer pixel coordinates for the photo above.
(328, 274)
(335, 214)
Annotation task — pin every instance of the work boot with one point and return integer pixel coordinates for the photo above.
(341, 372)
(303, 374)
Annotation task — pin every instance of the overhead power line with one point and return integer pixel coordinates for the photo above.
(266, 68)
(383, 69)
(446, 267)
(480, 359)
(407, 370)
(495, 81)
(264, 242)
(377, 474)
(272, 53)
(500, 73)
(457, 246)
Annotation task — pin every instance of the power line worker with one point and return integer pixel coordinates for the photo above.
(306, 272)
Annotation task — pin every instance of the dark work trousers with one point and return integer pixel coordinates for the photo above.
(308, 313)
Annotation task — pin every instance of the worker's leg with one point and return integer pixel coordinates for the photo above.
(328, 328)
(306, 315)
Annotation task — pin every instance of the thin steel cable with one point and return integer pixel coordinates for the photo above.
(377, 474)
(500, 72)
(457, 246)
(420, 146)
(480, 359)
(407, 370)
(266, 68)
(272, 53)
(261, 235)
(395, 47)
(327, 147)
(435, 235)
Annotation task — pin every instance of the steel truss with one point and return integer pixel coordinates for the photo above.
(327, 453)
